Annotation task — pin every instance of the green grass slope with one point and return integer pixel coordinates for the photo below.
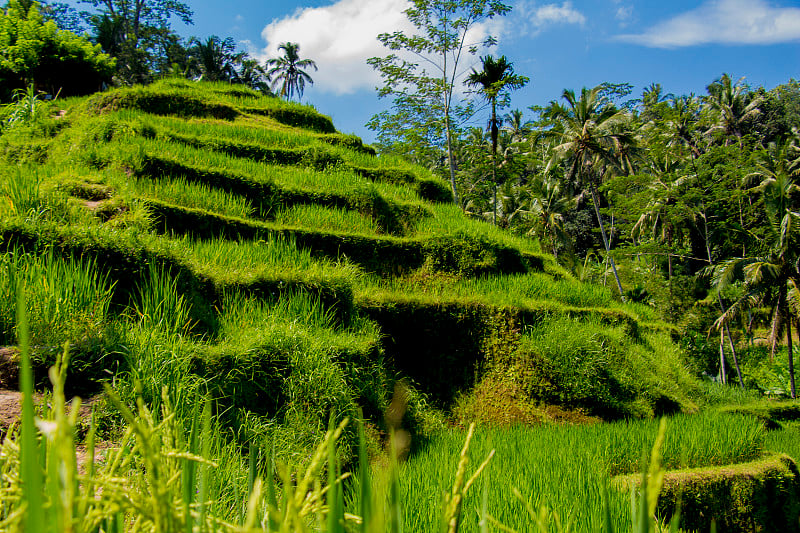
(238, 244)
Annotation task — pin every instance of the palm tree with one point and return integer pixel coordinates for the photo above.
(516, 126)
(590, 138)
(681, 123)
(734, 105)
(253, 75)
(288, 72)
(664, 216)
(548, 208)
(496, 76)
(215, 59)
(773, 278)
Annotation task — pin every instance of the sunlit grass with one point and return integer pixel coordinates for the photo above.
(567, 468)
(327, 219)
(449, 218)
(249, 260)
(534, 290)
(66, 298)
(192, 194)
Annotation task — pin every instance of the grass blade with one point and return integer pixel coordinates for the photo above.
(31, 472)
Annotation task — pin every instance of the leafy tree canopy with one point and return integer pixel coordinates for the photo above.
(423, 76)
(35, 51)
(137, 33)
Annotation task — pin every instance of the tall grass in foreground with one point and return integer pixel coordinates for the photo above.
(21, 189)
(67, 298)
(565, 468)
(173, 474)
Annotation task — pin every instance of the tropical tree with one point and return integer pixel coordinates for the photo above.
(772, 278)
(422, 77)
(734, 105)
(495, 77)
(214, 59)
(34, 51)
(665, 215)
(252, 74)
(548, 208)
(517, 126)
(681, 120)
(589, 138)
(136, 33)
(288, 71)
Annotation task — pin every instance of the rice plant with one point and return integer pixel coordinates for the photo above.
(334, 180)
(21, 190)
(192, 194)
(566, 469)
(25, 109)
(248, 260)
(785, 440)
(180, 473)
(68, 299)
(238, 131)
(450, 219)
(328, 219)
(158, 305)
(245, 313)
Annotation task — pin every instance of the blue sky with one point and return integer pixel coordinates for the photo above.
(558, 44)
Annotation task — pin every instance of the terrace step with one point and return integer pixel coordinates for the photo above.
(762, 495)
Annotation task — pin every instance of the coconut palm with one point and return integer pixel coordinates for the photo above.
(590, 138)
(548, 208)
(287, 72)
(214, 59)
(254, 75)
(773, 278)
(734, 105)
(681, 122)
(495, 77)
(517, 127)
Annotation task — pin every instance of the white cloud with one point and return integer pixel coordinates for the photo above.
(534, 19)
(339, 38)
(623, 13)
(724, 22)
(551, 14)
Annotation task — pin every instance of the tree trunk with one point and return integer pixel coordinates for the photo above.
(605, 241)
(494, 133)
(494, 203)
(733, 354)
(791, 359)
(669, 268)
(722, 376)
(741, 224)
(730, 342)
(450, 158)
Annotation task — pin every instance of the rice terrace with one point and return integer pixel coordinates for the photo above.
(218, 312)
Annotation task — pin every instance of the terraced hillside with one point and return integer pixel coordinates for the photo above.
(205, 238)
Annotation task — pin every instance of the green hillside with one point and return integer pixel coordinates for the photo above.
(203, 237)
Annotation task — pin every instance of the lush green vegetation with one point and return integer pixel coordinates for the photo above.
(568, 469)
(246, 279)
